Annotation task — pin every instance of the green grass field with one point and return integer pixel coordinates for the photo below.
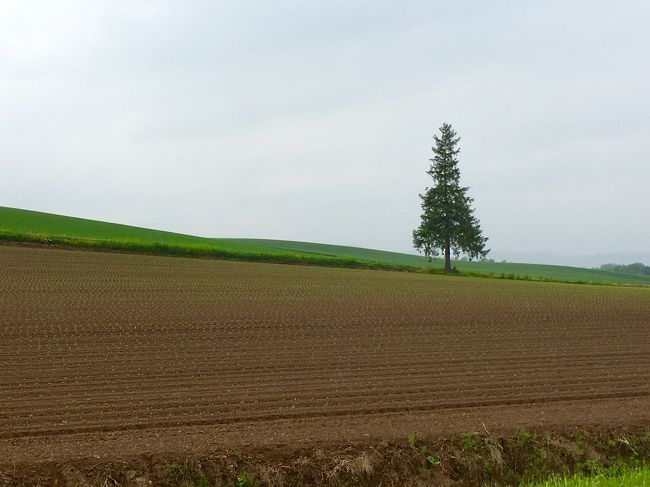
(34, 226)
(633, 478)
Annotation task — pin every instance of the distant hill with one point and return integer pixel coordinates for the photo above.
(34, 226)
(635, 268)
(592, 261)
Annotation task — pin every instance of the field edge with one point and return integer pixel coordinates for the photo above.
(208, 252)
(473, 458)
(20, 225)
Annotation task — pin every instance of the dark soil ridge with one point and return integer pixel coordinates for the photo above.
(474, 458)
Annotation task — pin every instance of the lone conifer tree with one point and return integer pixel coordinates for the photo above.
(448, 222)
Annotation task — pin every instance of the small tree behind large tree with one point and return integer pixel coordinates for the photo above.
(448, 223)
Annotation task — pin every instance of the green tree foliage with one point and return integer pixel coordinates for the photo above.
(636, 268)
(448, 223)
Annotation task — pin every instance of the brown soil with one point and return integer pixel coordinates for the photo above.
(114, 355)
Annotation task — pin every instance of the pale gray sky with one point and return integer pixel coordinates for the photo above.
(314, 120)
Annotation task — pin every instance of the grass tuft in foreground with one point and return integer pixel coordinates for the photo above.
(630, 478)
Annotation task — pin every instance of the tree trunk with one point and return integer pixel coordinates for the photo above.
(447, 257)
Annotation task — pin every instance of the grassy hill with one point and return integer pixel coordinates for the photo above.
(520, 270)
(34, 226)
(43, 226)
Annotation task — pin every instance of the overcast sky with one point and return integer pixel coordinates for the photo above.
(313, 121)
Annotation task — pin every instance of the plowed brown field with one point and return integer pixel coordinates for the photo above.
(112, 354)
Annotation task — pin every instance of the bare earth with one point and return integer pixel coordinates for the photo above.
(114, 355)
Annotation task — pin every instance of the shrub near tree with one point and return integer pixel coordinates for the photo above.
(448, 223)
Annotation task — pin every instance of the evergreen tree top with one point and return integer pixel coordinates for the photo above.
(444, 164)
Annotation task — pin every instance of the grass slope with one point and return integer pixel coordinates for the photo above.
(508, 269)
(370, 255)
(25, 225)
(34, 226)
(44, 225)
(632, 478)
